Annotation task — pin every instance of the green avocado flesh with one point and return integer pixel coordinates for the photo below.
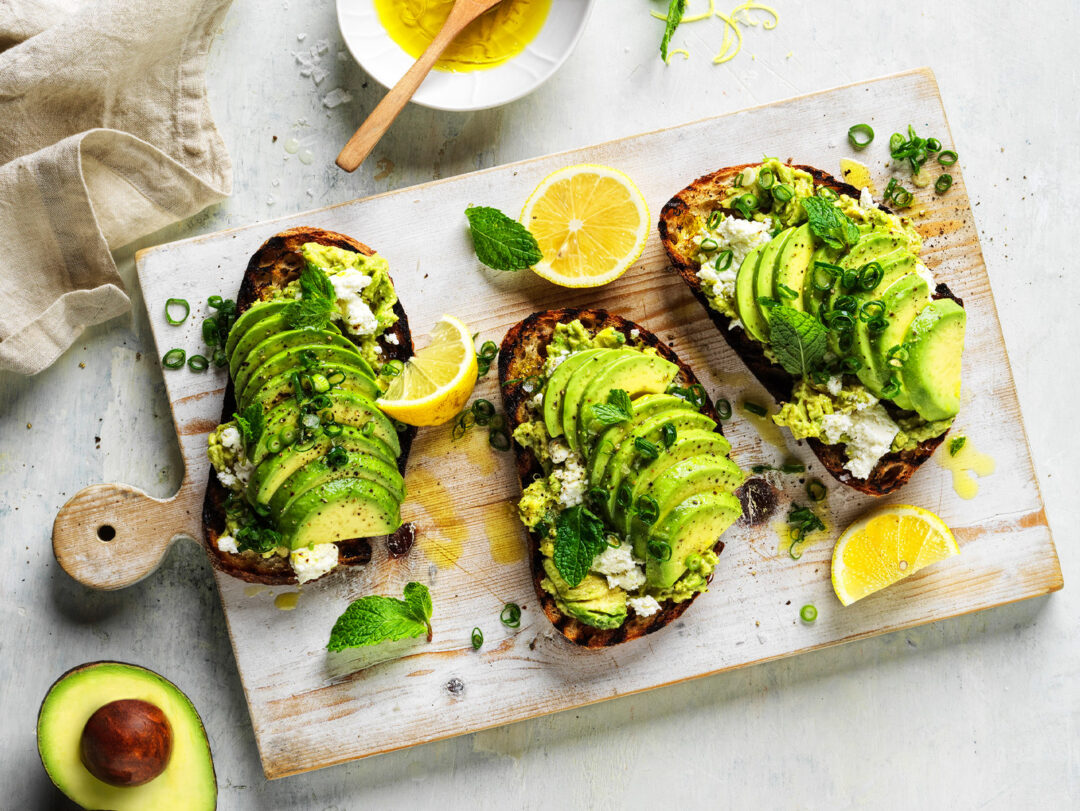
(337, 511)
(766, 273)
(931, 373)
(746, 296)
(665, 449)
(902, 300)
(187, 783)
(690, 529)
(321, 465)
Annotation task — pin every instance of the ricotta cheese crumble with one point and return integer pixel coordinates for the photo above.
(868, 434)
(310, 563)
(348, 285)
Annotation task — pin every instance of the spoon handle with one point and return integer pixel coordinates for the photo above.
(380, 119)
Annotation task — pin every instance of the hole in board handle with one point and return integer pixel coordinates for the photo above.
(106, 532)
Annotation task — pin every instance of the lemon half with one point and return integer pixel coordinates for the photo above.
(591, 223)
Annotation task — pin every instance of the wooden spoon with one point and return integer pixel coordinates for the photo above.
(376, 125)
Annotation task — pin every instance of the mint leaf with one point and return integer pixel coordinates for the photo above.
(316, 304)
(676, 9)
(618, 408)
(829, 224)
(375, 619)
(579, 537)
(500, 242)
(797, 338)
(251, 424)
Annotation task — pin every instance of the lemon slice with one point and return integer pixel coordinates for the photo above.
(437, 381)
(591, 223)
(885, 546)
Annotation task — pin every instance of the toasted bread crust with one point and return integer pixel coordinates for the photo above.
(273, 266)
(678, 225)
(522, 354)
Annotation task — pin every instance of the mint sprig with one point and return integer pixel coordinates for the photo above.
(829, 224)
(618, 408)
(676, 9)
(798, 339)
(251, 423)
(500, 242)
(316, 303)
(374, 619)
(579, 537)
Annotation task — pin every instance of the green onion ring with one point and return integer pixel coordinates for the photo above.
(198, 363)
(860, 136)
(943, 184)
(177, 302)
(815, 489)
(511, 615)
(723, 409)
(808, 613)
(947, 158)
(174, 358)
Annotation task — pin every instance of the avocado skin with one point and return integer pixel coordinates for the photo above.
(273, 266)
(188, 783)
(678, 225)
(521, 355)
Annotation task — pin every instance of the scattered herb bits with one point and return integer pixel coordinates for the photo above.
(808, 613)
(860, 136)
(477, 638)
(956, 444)
(174, 358)
(174, 304)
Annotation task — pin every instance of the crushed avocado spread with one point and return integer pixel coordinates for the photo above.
(837, 406)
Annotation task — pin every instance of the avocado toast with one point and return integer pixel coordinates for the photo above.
(865, 362)
(307, 469)
(627, 486)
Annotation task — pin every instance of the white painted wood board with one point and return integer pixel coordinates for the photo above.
(309, 710)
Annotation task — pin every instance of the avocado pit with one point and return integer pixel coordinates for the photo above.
(126, 743)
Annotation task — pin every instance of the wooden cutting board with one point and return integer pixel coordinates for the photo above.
(312, 709)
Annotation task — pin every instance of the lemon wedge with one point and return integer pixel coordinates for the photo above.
(886, 546)
(591, 223)
(436, 382)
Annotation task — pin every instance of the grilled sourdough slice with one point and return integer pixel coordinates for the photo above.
(684, 218)
(288, 481)
(619, 436)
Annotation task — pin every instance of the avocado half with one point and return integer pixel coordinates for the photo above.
(132, 727)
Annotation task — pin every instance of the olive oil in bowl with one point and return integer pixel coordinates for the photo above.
(493, 39)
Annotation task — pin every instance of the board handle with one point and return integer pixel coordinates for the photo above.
(110, 536)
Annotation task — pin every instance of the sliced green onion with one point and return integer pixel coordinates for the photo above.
(766, 178)
(714, 220)
(392, 368)
(646, 449)
(219, 358)
(335, 378)
(786, 292)
(647, 510)
(851, 364)
(215, 301)
(483, 411)
(622, 496)
(846, 304)
(723, 409)
(870, 275)
(320, 401)
(782, 192)
(511, 615)
(896, 141)
(808, 613)
(320, 383)
(816, 490)
(746, 204)
(288, 436)
(794, 550)
(367, 429)
(860, 136)
(336, 457)
(498, 439)
(755, 409)
(174, 358)
(198, 363)
(709, 244)
(273, 444)
(902, 198)
(477, 638)
(793, 467)
(332, 429)
(723, 260)
(947, 158)
(659, 549)
(891, 388)
(839, 321)
(768, 301)
(210, 331)
(871, 309)
(177, 302)
(943, 184)
(849, 280)
(596, 496)
(830, 274)
(845, 340)
(877, 324)
(896, 356)
(933, 145)
(668, 434)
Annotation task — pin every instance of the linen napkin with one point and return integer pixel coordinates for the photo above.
(105, 136)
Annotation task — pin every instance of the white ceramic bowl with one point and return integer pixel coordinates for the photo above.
(386, 62)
